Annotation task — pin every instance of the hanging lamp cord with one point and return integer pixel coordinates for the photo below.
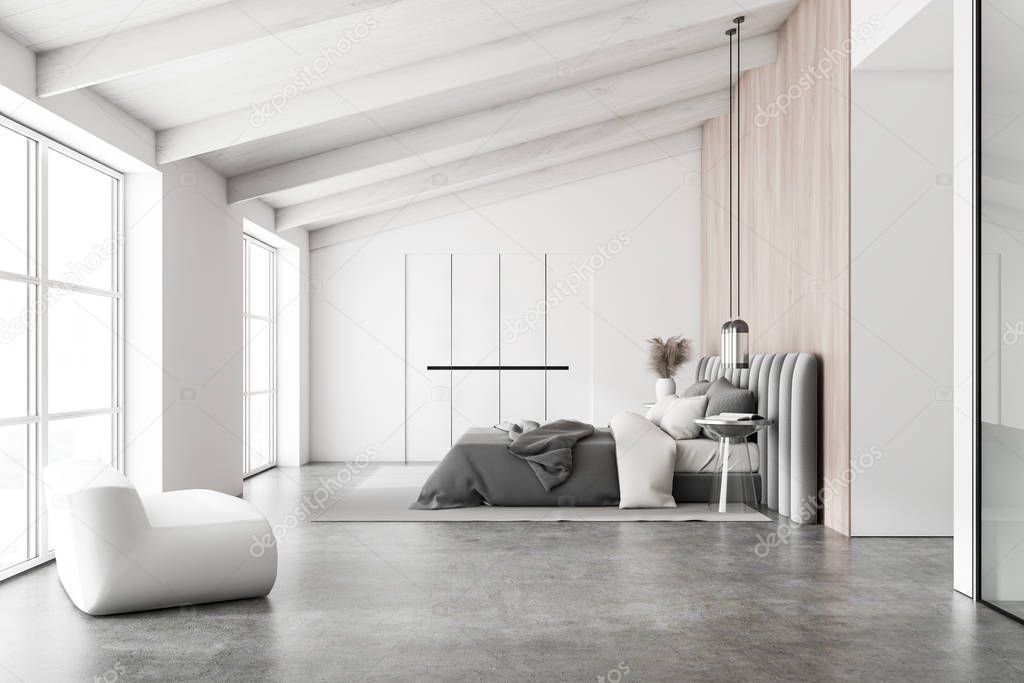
(730, 33)
(739, 183)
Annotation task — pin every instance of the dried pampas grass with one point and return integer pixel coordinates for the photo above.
(666, 356)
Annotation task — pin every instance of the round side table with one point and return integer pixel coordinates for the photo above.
(732, 433)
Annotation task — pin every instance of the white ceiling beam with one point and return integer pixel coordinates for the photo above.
(400, 36)
(149, 46)
(503, 163)
(498, 72)
(345, 168)
(674, 146)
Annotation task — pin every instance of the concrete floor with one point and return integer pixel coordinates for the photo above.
(1015, 607)
(527, 601)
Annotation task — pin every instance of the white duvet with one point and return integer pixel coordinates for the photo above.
(646, 458)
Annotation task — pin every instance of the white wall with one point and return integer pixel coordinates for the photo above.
(651, 288)
(186, 291)
(144, 330)
(964, 378)
(203, 338)
(901, 299)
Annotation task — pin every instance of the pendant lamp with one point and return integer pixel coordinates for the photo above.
(735, 331)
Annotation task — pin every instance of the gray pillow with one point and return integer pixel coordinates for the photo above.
(723, 397)
(696, 389)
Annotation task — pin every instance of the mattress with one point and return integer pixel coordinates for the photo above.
(701, 455)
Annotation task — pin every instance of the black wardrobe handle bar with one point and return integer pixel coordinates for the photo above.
(497, 367)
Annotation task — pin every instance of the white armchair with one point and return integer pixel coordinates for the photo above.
(119, 552)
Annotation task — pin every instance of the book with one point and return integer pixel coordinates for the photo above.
(739, 417)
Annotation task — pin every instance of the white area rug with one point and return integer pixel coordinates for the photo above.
(386, 494)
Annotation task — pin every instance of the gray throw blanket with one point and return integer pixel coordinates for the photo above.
(548, 449)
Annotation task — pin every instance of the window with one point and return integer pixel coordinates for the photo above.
(260, 386)
(60, 322)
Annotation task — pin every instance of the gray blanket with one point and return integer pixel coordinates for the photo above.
(480, 470)
(548, 449)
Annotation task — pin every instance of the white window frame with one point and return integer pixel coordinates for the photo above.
(40, 417)
(271, 320)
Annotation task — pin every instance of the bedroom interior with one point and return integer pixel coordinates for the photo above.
(492, 339)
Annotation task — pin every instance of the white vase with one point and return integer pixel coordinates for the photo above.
(665, 386)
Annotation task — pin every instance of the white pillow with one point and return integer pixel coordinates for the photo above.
(511, 427)
(645, 458)
(658, 410)
(678, 420)
(527, 425)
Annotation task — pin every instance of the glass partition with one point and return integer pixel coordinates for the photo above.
(1001, 309)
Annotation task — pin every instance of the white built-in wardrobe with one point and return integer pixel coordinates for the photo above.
(493, 337)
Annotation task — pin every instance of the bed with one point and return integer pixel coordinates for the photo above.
(478, 470)
(782, 463)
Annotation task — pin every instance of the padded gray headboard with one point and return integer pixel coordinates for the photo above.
(786, 387)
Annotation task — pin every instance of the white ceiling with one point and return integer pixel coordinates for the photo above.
(336, 109)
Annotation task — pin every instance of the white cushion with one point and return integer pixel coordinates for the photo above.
(678, 420)
(658, 410)
(645, 457)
